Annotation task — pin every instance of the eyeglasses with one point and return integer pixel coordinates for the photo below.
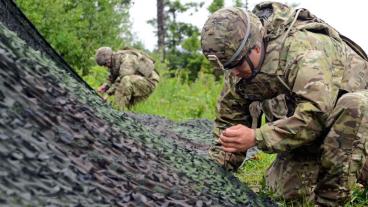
(236, 64)
(217, 63)
(239, 62)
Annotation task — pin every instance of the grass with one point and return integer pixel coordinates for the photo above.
(178, 99)
(175, 98)
(253, 171)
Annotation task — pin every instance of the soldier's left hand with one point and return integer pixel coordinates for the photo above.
(237, 138)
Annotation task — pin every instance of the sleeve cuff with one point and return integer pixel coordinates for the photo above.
(261, 141)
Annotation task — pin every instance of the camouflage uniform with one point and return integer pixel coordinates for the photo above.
(132, 77)
(312, 89)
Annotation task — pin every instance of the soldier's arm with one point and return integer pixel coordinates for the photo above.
(113, 85)
(103, 88)
(310, 80)
(231, 109)
(111, 90)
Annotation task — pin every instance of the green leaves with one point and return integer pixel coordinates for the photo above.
(77, 28)
(216, 5)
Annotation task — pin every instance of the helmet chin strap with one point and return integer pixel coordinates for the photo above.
(255, 70)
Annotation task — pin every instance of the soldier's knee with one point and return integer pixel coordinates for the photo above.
(353, 103)
(126, 79)
(126, 83)
(351, 100)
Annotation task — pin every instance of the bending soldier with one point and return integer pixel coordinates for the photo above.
(132, 75)
(311, 84)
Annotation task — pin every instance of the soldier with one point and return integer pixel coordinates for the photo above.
(132, 75)
(309, 81)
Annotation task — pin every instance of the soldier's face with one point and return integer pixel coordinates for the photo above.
(108, 63)
(244, 70)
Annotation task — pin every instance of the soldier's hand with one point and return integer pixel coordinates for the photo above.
(105, 97)
(103, 88)
(237, 138)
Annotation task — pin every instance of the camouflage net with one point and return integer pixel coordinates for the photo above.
(60, 145)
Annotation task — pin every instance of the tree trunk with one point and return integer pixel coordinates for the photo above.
(161, 29)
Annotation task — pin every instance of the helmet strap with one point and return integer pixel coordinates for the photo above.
(255, 70)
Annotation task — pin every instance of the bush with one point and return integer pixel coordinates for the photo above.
(178, 98)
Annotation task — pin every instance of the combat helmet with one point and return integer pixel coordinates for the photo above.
(103, 54)
(228, 35)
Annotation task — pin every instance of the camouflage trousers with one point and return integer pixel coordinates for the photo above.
(230, 161)
(133, 89)
(324, 171)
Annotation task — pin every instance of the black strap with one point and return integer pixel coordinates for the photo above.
(355, 47)
(251, 65)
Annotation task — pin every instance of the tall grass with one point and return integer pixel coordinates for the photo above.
(178, 99)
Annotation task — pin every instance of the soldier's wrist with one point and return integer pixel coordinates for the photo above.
(259, 139)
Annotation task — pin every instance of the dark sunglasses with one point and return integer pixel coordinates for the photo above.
(235, 64)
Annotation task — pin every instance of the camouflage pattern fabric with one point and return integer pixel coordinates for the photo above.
(336, 164)
(307, 68)
(363, 178)
(231, 161)
(213, 43)
(132, 77)
(344, 149)
(132, 89)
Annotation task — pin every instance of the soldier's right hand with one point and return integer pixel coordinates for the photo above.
(103, 88)
(238, 138)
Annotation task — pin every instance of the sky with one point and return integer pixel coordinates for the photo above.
(348, 17)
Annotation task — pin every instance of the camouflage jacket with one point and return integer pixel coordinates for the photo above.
(307, 66)
(131, 62)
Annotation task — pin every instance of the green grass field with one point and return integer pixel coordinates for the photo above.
(180, 100)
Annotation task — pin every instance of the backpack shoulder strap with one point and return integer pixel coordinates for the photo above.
(355, 47)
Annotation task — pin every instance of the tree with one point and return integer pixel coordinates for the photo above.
(238, 3)
(246, 4)
(77, 28)
(216, 5)
(177, 31)
(161, 29)
(169, 31)
(181, 40)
